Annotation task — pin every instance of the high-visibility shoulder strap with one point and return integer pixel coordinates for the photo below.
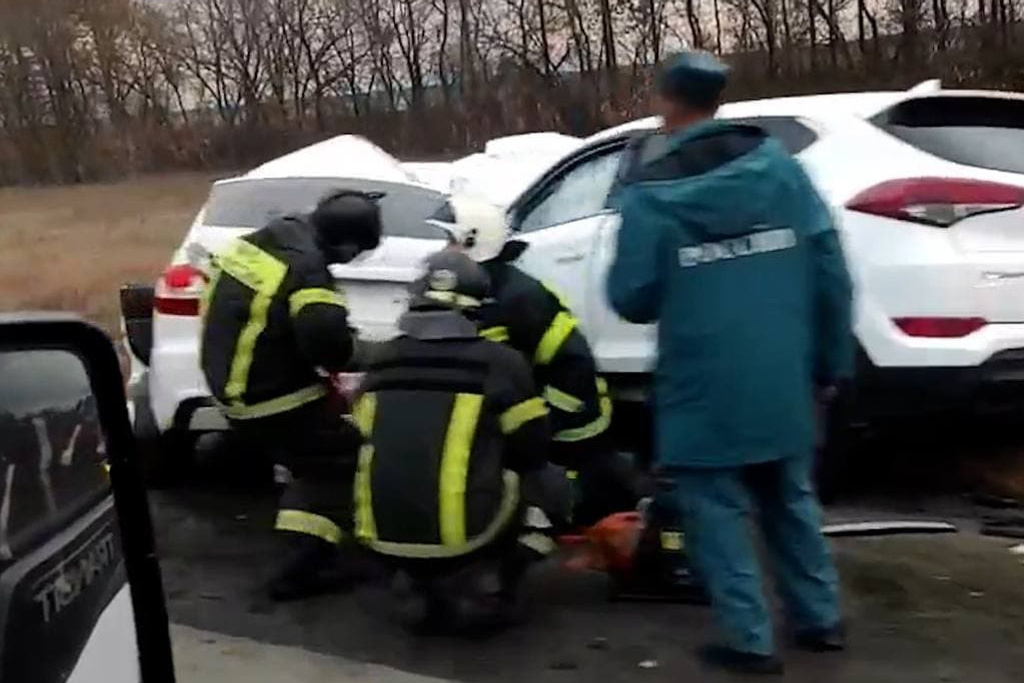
(263, 274)
(301, 298)
(253, 267)
(521, 413)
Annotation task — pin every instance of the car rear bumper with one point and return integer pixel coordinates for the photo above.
(996, 384)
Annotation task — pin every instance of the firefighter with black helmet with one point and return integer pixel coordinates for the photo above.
(455, 437)
(273, 327)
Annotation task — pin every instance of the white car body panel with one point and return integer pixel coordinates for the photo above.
(974, 268)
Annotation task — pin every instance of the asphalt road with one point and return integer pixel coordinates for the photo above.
(942, 608)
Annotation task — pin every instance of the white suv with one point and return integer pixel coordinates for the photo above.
(927, 187)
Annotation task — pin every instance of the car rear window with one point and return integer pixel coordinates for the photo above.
(254, 203)
(984, 132)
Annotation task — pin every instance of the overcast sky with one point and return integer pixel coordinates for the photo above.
(31, 381)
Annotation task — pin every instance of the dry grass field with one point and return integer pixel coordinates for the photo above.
(71, 248)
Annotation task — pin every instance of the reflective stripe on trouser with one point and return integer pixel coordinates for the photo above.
(263, 274)
(716, 505)
(300, 521)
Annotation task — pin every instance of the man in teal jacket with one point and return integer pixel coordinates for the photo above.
(725, 243)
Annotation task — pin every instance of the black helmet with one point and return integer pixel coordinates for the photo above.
(347, 222)
(452, 280)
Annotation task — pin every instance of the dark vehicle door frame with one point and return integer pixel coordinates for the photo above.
(69, 333)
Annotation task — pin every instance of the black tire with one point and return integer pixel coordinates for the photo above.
(166, 458)
(834, 457)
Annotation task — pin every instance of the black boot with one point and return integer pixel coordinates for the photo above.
(822, 640)
(728, 659)
(308, 570)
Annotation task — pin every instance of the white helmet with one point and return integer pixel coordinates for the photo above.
(476, 225)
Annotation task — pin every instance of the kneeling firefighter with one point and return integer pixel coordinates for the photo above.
(273, 326)
(455, 439)
(530, 317)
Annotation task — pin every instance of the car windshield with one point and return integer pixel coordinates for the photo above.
(254, 203)
(984, 132)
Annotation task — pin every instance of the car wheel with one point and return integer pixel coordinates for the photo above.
(835, 454)
(168, 460)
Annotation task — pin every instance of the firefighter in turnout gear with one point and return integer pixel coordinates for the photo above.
(528, 316)
(456, 437)
(273, 326)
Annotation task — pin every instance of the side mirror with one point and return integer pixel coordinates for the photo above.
(80, 591)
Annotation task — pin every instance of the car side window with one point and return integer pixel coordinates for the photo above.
(579, 192)
(794, 135)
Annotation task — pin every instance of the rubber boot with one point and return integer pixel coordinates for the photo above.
(308, 570)
(661, 569)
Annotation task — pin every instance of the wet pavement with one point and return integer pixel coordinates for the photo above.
(936, 608)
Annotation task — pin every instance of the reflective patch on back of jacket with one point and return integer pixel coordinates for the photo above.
(763, 242)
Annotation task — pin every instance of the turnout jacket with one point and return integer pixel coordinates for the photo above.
(727, 245)
(450, 423)
(534, 320)
(271, 317)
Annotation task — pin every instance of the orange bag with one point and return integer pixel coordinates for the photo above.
(609, 545)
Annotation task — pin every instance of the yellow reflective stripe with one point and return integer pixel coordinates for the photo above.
(307, 523)
(453, 298)
(366, 525)
(262, 273)
(507, 511)
(315, 295)
(560, 329)
(458, 444)
(253, 267)
(495, 334)
(671, 540)
(521, 413)
(364, 414)
(587, 431)
(563, 401)
(282, 404)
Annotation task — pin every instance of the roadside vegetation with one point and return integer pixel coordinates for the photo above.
(71, 248)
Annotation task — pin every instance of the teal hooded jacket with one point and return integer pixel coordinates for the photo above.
(726, 245)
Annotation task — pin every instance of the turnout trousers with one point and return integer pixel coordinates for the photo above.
(320, 448)
(717, 505)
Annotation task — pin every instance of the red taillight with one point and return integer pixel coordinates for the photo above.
(179, 290)
(941, 328)
(936, 201)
